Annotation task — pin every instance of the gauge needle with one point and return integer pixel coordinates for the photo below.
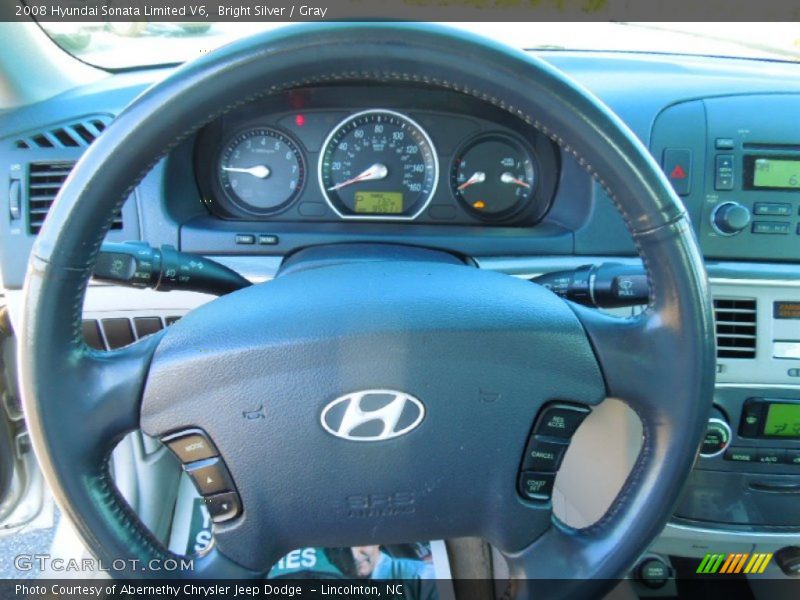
(260, 171)
(477, 177)
(376, 171)
(509, 178)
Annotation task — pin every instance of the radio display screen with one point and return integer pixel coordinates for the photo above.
(776, 173)
(783, 420)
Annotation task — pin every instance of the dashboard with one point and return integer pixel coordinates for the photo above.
(405, 154)
(423, 167)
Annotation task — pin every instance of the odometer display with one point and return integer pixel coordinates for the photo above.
(380, 203)
(378, 164)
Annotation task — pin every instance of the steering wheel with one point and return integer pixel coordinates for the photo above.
(412, 321)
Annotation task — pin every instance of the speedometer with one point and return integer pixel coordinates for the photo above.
(378, 164)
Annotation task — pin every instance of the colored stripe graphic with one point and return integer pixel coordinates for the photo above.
(734, 563)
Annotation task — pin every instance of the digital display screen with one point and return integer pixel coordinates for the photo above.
(783, 420)
(786, 310)
(379, 203)
(776, 173)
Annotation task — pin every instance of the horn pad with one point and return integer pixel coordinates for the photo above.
(449, 366)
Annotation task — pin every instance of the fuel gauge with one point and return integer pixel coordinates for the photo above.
(494, 177)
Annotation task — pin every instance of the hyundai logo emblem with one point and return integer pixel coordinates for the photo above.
(372, 415)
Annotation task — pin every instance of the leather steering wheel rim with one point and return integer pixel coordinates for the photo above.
(79, 402)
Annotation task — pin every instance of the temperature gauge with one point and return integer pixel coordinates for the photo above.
(494, 177)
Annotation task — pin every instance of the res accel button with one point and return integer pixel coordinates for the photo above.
(560, 421)
(190, 445)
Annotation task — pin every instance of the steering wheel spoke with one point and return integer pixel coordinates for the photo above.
(113, 383)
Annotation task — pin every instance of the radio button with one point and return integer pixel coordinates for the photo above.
(770, 227)
(772, 209)
(792, 457)
(723, 179)
(771, 455)
(742, 454)
(191, 445)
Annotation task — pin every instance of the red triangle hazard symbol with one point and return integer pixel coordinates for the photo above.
(677, 173)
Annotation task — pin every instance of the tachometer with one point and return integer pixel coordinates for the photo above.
(378, 164)
(261, 170)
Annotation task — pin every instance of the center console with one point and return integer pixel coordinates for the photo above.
(737, 170)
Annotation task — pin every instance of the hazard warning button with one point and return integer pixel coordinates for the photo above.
(677, 165)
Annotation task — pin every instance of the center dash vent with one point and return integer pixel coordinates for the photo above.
(44, 182)
(73, 135)
(736, 327)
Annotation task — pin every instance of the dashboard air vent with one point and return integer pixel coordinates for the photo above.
(74, 135)
(44, 182)
(736, 327)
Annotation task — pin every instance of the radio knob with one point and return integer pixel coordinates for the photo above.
(729, 218)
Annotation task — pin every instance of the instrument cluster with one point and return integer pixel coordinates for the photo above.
(441, 158)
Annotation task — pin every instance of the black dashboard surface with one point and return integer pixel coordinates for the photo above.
(666, 100)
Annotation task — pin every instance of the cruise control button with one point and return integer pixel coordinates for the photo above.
(560, 421)
(543, 456)
(190, 445)
(210, 476)
(223, 507)
(741, 454)
(536, 486)
(770, 455)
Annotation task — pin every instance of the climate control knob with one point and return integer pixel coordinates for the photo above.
(729, 218)
(718, 436)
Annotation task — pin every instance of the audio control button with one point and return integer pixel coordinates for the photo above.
(771, 227)
(210, 476)
(724, 172)
(190, 445)
(772, 209)
(729, 218)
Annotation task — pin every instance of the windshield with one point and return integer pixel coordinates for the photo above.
(118, 45)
